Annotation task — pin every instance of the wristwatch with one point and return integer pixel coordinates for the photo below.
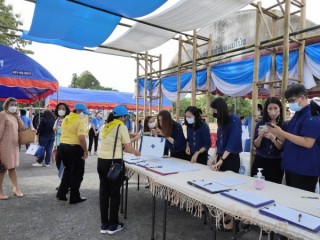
(222, 159)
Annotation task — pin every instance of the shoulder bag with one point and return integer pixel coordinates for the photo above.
(116, 168)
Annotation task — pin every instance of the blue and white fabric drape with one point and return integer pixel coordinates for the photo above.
(235, 78)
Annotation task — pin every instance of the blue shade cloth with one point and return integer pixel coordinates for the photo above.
(23, 78)
(201, 77)
(68, 24)
(241, 72)
(127, 8)
(313, 51)
(154, 84)
(293, 59)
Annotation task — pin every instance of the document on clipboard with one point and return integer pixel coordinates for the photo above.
(292, 216)
(251, 199)
(208, 186)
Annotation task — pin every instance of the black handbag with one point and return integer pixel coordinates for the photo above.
(116, 168)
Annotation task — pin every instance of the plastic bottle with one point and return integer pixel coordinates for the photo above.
(259, 180)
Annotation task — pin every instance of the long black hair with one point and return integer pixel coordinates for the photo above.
(48, 115)
(112, 117)
(57, 107)
(222, 111)
(265, 116)
(197, 117)
(315, 108)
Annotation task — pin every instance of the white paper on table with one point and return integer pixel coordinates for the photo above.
(292, 216)
(184, 166)
(230, 181)
(153, 146)
(208, 185)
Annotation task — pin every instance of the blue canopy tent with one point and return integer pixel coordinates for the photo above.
(23, 78)
(99, 99)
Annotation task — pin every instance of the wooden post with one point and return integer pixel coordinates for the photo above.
(160, 85)
(151, 88)
(255, 78)
(208, 93)
(179, 79)
(273, 63)
(145, 85)
(285, 64)
(302, 46)
(194, 69)
(137, 92)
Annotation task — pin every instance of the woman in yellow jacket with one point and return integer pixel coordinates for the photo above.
(115, 135)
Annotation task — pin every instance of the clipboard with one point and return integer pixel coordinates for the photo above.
(161, 170)
(208, 186)
(292, 216)
(248, 198)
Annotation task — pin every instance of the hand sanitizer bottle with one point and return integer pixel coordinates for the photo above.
(259, 180)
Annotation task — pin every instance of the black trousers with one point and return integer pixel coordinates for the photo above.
(303, 182)
(231, 163)
(74, 170)
(93, 137)
(109, 192)
(271, 168)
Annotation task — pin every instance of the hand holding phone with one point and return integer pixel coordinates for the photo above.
(269, 124)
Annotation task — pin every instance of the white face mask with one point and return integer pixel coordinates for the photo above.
(190, 120)
(82, 115)
(61, 113)
(12, 109)
(152, 125)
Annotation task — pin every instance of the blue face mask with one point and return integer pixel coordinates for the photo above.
(294, 107)
(190, 120)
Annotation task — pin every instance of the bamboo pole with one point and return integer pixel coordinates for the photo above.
(273, 60)
(137, 93)
(145, 85)
(194, 69)
(179, 79)
(255, 78)
(151, 89)
(285, 64)
(208, 93)
(303, 42)
(159, 87)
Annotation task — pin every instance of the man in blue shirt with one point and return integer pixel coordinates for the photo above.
(300, 157)
(26, 120)
(96, 124)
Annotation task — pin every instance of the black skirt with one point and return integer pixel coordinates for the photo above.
(231, 163)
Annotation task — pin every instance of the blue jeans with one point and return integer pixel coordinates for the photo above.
(47, 143)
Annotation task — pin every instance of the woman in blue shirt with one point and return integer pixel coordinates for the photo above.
(172, 131)
(268, 146)
(198, 136)
(229, 138)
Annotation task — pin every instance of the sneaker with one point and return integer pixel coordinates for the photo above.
(46, 165)
(95, 153)
(115, 228)
(37, 164)
(90, 154)
(104, 228)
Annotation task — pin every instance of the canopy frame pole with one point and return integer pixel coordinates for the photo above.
(145, 85)
(160, 85)
(303, 42)
(208, 92)
(255, 78)
(179, 79)
(273, 60)
(194, 69)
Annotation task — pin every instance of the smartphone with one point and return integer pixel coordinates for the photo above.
(269, 124)
(263, 128)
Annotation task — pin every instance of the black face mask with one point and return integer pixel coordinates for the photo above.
(215, 115)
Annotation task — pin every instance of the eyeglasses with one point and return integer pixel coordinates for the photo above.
(292, 100)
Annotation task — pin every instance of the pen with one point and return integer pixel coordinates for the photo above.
(310, 197)
(299, 217)
(156, 167)
(207, 184)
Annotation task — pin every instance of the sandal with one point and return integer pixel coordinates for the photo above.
(4, 197)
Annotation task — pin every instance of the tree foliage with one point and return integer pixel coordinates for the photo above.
(9, 21)
(87, 80)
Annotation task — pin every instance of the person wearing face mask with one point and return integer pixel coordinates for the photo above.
(73, 150)
(300, 157)
(61, 111)
(96, 124)
(115, 136)
(10, 124)
(268, 146)
(46, 138)
(198, 136)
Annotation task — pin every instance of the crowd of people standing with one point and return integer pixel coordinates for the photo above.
(289, 148)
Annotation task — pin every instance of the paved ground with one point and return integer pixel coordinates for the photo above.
(39, 215)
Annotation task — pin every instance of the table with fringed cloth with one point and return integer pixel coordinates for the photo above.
(174, 188)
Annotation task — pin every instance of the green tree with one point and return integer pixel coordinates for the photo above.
(87, 80)
(8, 22)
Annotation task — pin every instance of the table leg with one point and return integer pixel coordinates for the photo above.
(121, 203)
(126, 200)
(165, 203)
(234, 229)
(153, 220)
(138, 187)
(213, 228)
